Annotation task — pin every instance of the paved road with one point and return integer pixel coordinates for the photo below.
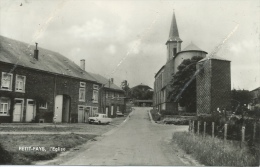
(136, 142)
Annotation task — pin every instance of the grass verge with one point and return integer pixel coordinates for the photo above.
(213, 152)
(11, 144)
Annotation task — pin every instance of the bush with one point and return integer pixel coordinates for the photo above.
(176, 121)
(5, 156)
(155, 115)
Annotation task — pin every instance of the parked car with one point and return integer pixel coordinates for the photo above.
(100, 119)
(119, 114)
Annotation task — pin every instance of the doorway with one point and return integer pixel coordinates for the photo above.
(30, 110)
(62, 108)
(18, 110)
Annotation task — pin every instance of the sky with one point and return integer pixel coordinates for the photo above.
(125, 40)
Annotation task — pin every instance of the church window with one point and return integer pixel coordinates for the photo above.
(174, 51)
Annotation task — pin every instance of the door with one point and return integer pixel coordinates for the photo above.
(58, 108)
(107, 111)
(112, 110)
(86, 115)
(30, 110)
(66, 108)
(80, 113)
(18, 108)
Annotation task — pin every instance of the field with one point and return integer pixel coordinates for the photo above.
(52, 139)
(215, 152)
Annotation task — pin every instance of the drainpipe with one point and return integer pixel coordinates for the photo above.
(54, 96)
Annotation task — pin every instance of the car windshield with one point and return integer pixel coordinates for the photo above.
(96, 115)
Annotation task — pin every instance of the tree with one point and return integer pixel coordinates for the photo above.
(183, 84)
(240, 99)
(125, 87)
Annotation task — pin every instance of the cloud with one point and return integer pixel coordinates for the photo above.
(111, 49)
(93, 29)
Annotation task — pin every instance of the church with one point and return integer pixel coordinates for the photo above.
(175, 56)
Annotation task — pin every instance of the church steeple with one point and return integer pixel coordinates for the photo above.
(174, 41)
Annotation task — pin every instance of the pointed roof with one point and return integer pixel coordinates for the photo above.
(192, 47)
(174, 33)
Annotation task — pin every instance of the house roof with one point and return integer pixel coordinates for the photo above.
(22, 54)
(159, 70)
(255, 89)
(213, 58)
(105, 81)
(174, 33)
(142, 85)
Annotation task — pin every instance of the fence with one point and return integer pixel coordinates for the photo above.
(246, 131)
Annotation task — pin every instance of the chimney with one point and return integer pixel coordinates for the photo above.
(112, 80)
(82, 64)
(36, 52)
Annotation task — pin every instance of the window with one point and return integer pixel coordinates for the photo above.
(6, 82)
(174, 51)
(4, 106)
(81, 94)
(112, 95)
(82, 84)
(43, 105)
(20, 83)
(118, 96)
(106, 94)
(95, 96)
(117, 108)
(95, 86)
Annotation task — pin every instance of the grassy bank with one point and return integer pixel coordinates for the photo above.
(11, 144)
(213, 152)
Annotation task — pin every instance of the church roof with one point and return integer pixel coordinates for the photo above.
(174, 33)
(192, 47)
(21, 54)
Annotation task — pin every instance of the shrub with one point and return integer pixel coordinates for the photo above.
(5, 156)
(155, 115)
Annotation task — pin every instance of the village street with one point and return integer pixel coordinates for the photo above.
(138, 141)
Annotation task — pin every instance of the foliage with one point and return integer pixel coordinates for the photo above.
(136, 93)
(155, 115)
(213, 152)
(240, 99)
(5, 156)
(125, 87)
(182, 92)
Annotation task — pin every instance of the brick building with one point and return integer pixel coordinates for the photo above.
(39, 85)
(213, 85)
(174, 58)
(111, 96)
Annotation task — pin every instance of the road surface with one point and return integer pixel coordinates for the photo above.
(137, 142)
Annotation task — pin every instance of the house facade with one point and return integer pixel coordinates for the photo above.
(255, 104)
(111, 96)
(39, 85)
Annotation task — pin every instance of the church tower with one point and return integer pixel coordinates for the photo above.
(174, 42)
